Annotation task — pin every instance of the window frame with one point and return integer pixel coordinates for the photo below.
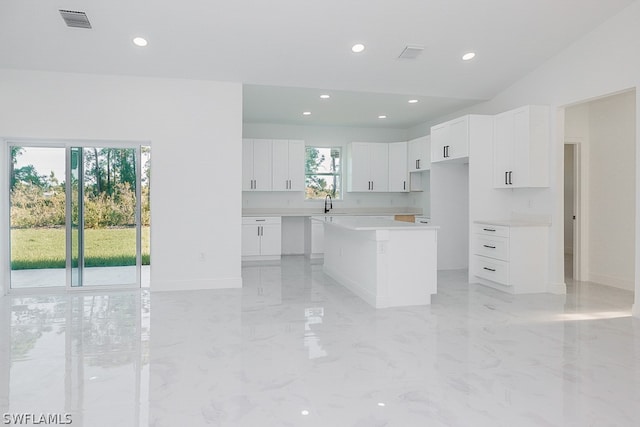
(338, 174)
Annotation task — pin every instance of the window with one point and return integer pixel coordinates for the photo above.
(323, 173)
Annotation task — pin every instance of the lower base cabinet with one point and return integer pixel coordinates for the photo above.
(511, 258)
(261, 238)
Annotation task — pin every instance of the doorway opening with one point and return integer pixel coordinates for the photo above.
(599, 186)
(572, 254)
(79, 215)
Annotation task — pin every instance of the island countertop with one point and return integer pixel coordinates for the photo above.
(359, 223)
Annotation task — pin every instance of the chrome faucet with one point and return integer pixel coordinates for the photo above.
(327, 198)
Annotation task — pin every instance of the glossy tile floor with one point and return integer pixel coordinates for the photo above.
(295, 349)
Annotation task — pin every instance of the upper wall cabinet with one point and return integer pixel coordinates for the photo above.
(521, 148)
(450, 140)
(256, 164)
(368, 167)
(288, 165)
(398, 173)
(419, 154)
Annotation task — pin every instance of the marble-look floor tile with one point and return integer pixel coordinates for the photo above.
(293, 348)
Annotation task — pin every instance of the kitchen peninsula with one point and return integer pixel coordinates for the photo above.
(385, 262)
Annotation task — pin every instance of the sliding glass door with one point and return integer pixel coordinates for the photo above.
(93, 235)
(38, 216)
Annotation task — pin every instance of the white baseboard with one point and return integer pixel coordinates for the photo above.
(557, 288)
(616, 282)
(193, 285)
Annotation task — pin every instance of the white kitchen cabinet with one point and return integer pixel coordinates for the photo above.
(261, 238)
(398, 173)
(257, 165)
(419, 154)
(368, 167)
(288, 165)
(521, 148)
(511, 258)
(450, 140)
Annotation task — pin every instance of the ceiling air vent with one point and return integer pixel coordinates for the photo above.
(411, 52)
(75, 19)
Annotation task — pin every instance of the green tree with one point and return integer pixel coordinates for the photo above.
(313, 161)
(15, 152)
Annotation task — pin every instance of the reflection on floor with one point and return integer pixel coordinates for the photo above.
(293, 348)
(94, 276)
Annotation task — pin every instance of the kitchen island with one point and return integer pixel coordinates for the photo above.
(387, 263)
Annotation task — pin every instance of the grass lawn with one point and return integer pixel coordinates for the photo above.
(46, 247)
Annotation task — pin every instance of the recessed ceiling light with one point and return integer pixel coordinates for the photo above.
(140, 41)
(357, 48)
(325, 96)
(382, 116)
(306, 113)
(468, 56)
(413, 101)
(304, 412)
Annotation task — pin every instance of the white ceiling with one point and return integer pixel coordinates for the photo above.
(306, 44)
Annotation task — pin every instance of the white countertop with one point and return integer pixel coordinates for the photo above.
(359, 223)
(318, 211)
(516, 223)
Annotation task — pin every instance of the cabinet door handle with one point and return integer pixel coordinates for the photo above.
(489, 269)
(418, 163)
(371, 185)
(258, 230)
(404, 185)
(510, 175)
(444, 151)
(489, 246)
(260, 220)
(489, 229)
(506, 178)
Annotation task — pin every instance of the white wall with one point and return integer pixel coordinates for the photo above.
(612, 190)
(600, 63)
(195, 131)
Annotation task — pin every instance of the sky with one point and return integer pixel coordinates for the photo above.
(45, 160)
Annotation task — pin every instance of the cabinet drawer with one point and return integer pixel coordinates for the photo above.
(493, 247)
(492, 269)
(261, 220)
(491, 230)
